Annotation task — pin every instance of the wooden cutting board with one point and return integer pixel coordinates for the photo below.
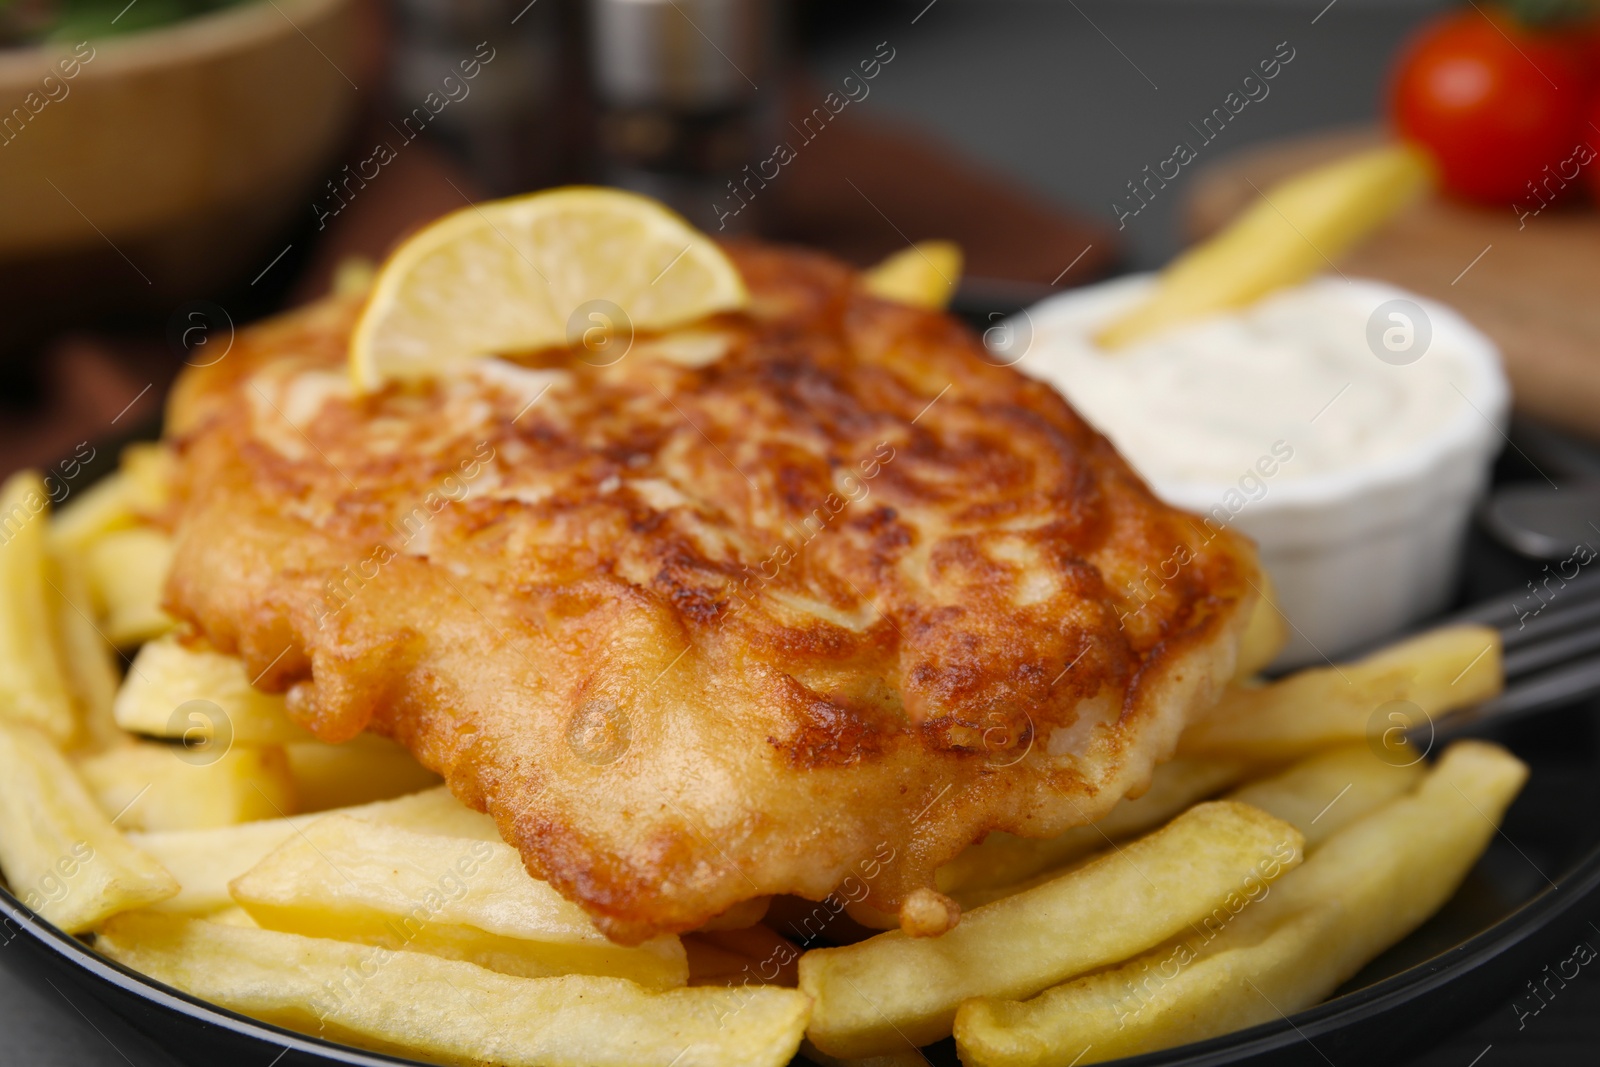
(1531, 284)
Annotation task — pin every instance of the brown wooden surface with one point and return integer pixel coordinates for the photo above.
(863, 187)
(860, 189)
(830, 198)
(1536, 290)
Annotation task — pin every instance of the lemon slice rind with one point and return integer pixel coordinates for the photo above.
(534, 272)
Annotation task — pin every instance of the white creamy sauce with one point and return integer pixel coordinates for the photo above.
(1290, 379)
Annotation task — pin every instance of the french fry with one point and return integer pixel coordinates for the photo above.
(89, 514)
(148, 467)
(460, 898)
(139, 490)
(126, 571)
(166, 674)
(872, 997)
(1002, 859)
(205, 861)
(148, 786)
(1281, 240)
(1003, 864)
(60, 854)
(88, 661)
(432, 811)
(33, 687)
(1438, 671)
(456, 1012)
(358, 771)
(924, 275)
(1366, 887)
(1324, 793)
(1264, 635)
(234, 916)
(971, 899)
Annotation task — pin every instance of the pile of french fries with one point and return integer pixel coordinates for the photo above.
(176, 815)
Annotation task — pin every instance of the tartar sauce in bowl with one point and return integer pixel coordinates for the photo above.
(1347, 426)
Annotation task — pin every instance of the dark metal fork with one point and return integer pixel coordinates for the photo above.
(1552, 654)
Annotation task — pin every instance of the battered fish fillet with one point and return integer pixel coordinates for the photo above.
(812, 592)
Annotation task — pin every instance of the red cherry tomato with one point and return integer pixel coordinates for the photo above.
(1493, 101)
(1591, 158)
(1588, 35)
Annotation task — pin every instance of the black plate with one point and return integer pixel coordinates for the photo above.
(1520, 909)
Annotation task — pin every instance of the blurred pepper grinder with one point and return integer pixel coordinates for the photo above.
(687, 92)
(502, 121)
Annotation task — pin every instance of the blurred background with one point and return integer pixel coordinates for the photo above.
(172, 170)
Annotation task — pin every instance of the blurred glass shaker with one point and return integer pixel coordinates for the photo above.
(687, 91)
(502, 122)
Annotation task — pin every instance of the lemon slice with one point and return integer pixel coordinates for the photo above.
(535, 271)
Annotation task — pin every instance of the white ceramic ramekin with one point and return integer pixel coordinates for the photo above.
(1356, 554)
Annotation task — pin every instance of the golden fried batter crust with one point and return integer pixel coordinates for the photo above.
(835, 603)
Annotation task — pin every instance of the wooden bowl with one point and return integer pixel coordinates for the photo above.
(141, 171)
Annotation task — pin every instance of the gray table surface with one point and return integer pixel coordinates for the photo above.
(1074, 99)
